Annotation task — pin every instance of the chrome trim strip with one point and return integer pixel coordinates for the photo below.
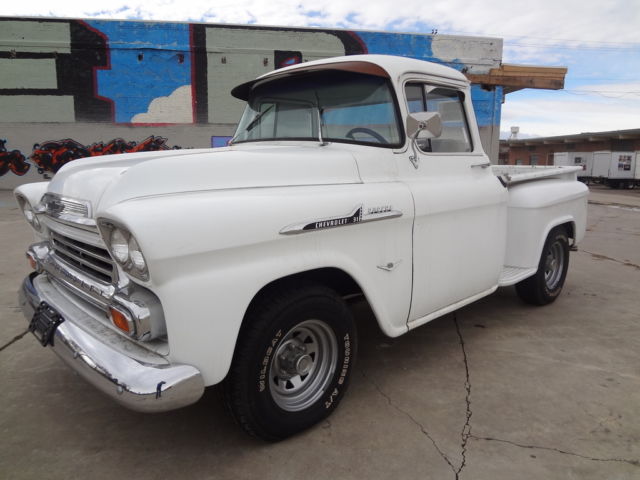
(86, 223)
(144, 387)
(78, 292)
(56, 204)
(356, 216)
(67, 210)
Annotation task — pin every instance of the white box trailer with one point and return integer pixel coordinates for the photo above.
(622, 170)
(616, 169)
(576, 159)
(601, 161)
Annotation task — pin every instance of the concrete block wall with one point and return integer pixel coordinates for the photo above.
(72, 87)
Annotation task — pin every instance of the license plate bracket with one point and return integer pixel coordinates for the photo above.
(44, 323)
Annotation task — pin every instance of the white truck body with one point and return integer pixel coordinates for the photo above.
(418, 233)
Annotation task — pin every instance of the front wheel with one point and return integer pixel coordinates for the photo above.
(545, 286)
(292, 363)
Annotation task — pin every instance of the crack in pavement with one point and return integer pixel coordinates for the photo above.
(413, 420)
(635, 463)
(465, 433)
(466, 429)
(14, 340)
(604, 257)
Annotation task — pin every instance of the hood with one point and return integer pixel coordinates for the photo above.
(105, 181)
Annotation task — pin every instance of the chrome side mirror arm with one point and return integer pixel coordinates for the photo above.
(428, 122)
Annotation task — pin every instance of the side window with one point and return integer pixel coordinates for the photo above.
(415, 97)
(449, 104)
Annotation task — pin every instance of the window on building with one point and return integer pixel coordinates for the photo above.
(534, 159)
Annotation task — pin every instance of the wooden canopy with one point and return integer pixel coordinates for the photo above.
(517, 77)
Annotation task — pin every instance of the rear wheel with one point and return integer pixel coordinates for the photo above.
(545, 286)
(292, 362)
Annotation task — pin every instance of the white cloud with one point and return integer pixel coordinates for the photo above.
(583, 22)
(176, 108)
(591, 108)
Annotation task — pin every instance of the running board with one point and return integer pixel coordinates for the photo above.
(512, 275)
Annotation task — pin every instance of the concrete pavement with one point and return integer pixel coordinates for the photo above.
(498, 390)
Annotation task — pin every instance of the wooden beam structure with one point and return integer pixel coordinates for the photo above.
(517, 77)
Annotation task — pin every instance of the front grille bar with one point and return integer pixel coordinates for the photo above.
(84, 248)
(91, 260)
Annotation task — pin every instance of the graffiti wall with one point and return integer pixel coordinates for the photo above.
(89, 86)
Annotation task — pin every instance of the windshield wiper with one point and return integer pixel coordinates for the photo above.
(320, 125)
(256, 120)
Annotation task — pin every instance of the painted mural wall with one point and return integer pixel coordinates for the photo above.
(69, 88)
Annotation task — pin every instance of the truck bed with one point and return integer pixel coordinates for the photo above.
(511, 174)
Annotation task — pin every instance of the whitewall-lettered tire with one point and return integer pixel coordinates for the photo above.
(292, 362)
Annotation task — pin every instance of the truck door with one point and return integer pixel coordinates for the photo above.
(460, 207)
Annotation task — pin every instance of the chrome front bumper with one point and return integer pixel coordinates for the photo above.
(153, 385)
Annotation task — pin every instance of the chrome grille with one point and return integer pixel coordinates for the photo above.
(88, 259)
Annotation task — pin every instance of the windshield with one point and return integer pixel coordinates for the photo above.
(333, 106)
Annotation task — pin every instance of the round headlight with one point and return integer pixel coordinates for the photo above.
(135, 255)
(30, 215)
(119, 246)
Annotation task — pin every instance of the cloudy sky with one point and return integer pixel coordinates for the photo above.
(598, 41)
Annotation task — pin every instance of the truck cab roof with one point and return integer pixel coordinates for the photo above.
(388, 66)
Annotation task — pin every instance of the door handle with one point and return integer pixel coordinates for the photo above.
(481, 165)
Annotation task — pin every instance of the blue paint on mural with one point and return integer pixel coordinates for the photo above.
(487, 105)
(148, 60)
(413, 46)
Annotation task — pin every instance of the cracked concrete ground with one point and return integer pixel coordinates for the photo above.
(498, 390)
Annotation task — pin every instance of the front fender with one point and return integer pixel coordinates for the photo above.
(209, 254)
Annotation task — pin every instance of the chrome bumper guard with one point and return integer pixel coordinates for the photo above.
(140, 386)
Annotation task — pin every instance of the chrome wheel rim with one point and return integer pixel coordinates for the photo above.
(303, 365)
(554, 265)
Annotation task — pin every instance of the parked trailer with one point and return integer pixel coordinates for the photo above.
(576, 159)
(622, 170)
(600, 171)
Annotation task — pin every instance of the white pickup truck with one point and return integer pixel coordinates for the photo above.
(158, 274)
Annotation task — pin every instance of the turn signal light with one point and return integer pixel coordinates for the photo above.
(120, 320)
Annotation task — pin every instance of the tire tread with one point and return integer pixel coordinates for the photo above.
(257, 320)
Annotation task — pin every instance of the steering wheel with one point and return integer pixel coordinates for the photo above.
(366, 131)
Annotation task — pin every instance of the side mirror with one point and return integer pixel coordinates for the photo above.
(428, 122)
